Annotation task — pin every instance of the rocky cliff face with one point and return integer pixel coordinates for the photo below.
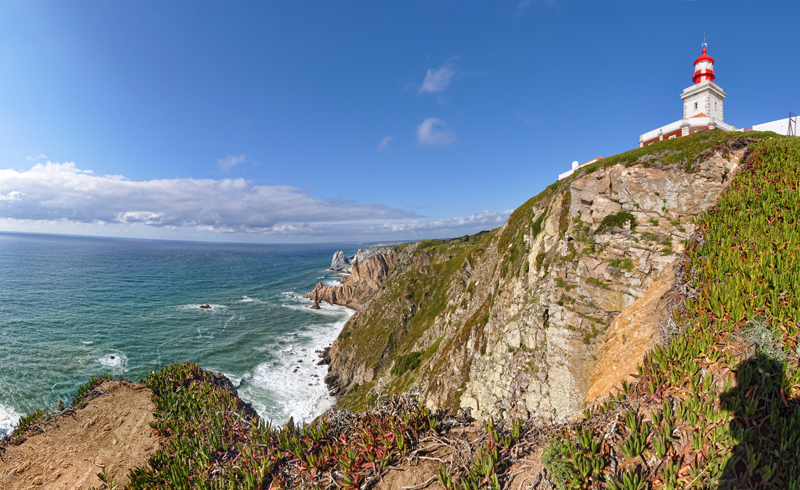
(365, 278)
(517, 322)
(340, 262)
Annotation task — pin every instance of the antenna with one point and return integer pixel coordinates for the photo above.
(705, 45)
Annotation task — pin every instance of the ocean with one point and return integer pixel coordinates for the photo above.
(76, 307)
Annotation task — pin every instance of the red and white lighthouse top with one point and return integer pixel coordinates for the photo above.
(703, 68)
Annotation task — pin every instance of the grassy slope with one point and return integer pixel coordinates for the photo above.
(417, 295)
(718, 406)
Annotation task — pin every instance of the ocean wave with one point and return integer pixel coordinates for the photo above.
(292, 385)
(8, 419)
(248, 299)
(325, 309)
(114, 360)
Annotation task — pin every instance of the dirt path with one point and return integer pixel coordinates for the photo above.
(111, 432)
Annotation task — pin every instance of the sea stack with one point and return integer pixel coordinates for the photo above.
(340, 262)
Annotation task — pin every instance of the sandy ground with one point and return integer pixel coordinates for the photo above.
(75, 447)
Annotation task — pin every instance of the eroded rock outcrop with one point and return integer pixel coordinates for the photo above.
(340, 262)
(365, 278)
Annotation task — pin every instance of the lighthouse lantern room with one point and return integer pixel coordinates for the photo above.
(702, 105)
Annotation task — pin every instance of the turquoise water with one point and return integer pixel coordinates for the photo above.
(76, 307)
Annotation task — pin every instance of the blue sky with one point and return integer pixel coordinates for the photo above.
(348, 121)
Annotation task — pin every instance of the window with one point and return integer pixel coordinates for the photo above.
(672, 137)
(715, 106)
(695, 106)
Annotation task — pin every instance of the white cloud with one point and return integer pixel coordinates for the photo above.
(469, 224)
(427, 134)
(230, 161)
(438, 80)
(385, 143)
(39, 157)
(54, 191)
(61, 198)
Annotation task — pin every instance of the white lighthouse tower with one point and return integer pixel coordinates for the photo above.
(702, 105)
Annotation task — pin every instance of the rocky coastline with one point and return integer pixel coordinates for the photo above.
(589, 341)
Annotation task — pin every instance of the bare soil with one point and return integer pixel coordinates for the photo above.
(110, 432)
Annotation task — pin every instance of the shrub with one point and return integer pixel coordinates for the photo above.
(555, 460)
(617, 220)
(596, 282)
(624, 264)
(405, 363)
(27, 420)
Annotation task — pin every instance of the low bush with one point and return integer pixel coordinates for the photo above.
(405, 363)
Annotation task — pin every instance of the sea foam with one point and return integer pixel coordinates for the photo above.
(8, 419)
(293, 383)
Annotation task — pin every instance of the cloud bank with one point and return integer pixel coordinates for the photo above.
(62, 191)
(61, 198)
(428, 135)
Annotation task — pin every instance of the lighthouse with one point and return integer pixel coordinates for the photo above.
(704, 97)
(703, 68)
(702, 105)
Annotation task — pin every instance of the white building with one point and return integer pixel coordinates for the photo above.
(702, 106)
(576, 166)
(787, 127)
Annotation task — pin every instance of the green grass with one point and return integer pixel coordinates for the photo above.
(685, 153)
(624, 264)
(596, 282)
(719, 405)
(420, 294)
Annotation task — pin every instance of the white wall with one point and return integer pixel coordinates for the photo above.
(688, 105)
(780, 126)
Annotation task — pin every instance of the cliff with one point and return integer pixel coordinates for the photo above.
(553, 309)
(366, 276)
(713, 399)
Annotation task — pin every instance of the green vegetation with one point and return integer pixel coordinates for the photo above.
(617, 220)
(408, 362)
(489, 461)
(683, 153)
(421, 290)
(556, 462)
(624, 264)
(520, 223)
(210, 442)
(85, 388)
(26, 421)
(596, 282)
(719, 405)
